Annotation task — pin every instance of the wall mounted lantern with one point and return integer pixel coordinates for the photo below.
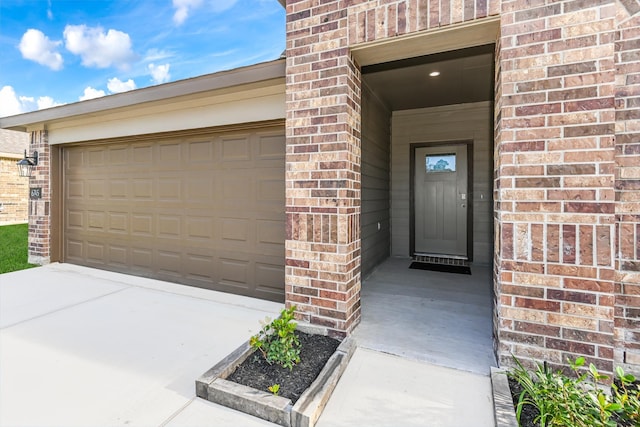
(26, 165)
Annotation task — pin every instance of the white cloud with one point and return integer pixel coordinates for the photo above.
(185, 7)
(115, 85)
(91, 93)
(97, 48)
(159, 73)
(11, 103)
(157, 55)
(46, 102)
(37, 47)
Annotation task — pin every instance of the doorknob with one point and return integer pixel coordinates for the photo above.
(463, 205)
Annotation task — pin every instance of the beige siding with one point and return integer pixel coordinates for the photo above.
(375, 181)
(453, 122)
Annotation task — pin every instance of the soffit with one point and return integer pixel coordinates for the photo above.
(464, 78)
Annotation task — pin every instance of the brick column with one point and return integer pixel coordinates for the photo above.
(627, 184)
(40, 210)
(555, 161)
(322, 168)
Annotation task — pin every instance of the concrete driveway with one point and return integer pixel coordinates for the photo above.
(85, 347)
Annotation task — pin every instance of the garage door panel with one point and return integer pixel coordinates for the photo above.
(199, 266)
(233, 272)
(74, 159)
(235, 150)
(74, 250)
(118, 189)
(199, 152)
(199, 227)
(75, 189)
(141, 225)
(96, 188)
(142, 188)
(142, 154)
(199, 188)
(169, 189)
(270, 232)
(271, 147)
(75, 219)
(204, 210)
(118, 222)
(235, 229)
(169, 156)
(118, 155)
(96, 252)
(118, 255)
(96, 158)
(268, 277)
(142, 258)
(170, 263)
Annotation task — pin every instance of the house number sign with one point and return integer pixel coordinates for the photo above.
(35, 193)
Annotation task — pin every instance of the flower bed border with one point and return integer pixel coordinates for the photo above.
(505, 414)
(214, 387)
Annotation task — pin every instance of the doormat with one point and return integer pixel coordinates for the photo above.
(459, 269)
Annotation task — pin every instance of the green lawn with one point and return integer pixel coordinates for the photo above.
(13, 248)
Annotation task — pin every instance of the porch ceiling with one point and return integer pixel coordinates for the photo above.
(465, 76)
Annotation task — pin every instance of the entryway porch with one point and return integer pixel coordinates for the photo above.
(429, 316)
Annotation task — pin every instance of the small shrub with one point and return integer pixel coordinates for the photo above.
(578, 401)
(626, 391)
(274, 389)
(277, 340)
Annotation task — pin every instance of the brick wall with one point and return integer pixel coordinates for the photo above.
(323, 142)
(40, 210)
(566, 189)
(555, 189)
(322, 168)
(627, 183)
(14, 192)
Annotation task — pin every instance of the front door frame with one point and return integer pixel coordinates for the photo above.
(412, 212)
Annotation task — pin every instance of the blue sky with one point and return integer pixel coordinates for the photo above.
(56, 52)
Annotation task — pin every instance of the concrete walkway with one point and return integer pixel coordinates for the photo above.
(84, 347)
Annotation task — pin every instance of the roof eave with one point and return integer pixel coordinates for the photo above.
(209, 82)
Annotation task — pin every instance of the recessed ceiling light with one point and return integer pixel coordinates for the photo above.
(434, 73)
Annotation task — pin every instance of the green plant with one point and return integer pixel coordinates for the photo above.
(277, 340)
(627, 392)
(14, 248)
(577, 401)
(274, 389)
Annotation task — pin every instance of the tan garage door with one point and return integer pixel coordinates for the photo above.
(205, 210)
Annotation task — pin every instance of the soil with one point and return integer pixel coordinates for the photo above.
(529, 412)
(257, 373)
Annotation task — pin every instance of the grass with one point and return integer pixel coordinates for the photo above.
(14, 248)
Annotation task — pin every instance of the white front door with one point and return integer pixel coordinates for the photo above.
(441, 200)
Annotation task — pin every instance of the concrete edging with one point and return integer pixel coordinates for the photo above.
(504, 412)
(213, 386)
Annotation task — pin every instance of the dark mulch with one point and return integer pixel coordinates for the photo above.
(257, 373)
(529, 412)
